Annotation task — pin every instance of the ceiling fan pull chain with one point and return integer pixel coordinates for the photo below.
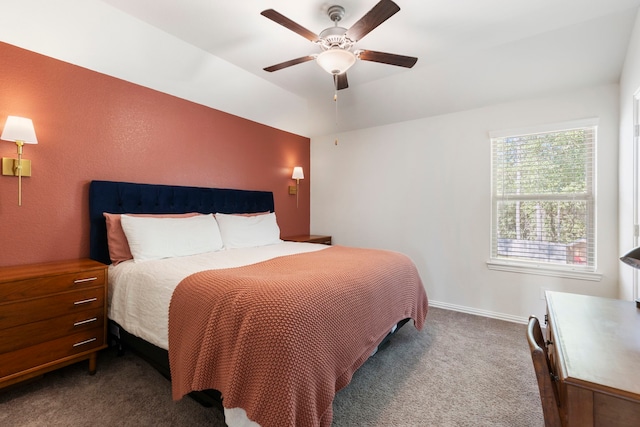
(335, 99)
(335, 96)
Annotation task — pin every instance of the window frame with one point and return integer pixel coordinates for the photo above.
(588, 272)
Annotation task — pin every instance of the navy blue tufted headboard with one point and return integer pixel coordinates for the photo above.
(128, 197)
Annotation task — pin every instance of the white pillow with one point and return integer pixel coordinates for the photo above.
(156, 238)
(241, 231)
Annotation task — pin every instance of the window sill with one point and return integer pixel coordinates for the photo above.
(543, 270)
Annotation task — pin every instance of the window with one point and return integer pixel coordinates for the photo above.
(543, 203)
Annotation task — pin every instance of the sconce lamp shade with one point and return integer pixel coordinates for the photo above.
(297, 173)
(632, 258)
(19, 129)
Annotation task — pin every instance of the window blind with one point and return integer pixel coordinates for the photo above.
(543, 197)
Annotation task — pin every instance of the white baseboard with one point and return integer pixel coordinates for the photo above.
(478, 312)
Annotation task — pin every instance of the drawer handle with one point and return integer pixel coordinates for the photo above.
(82, 322)
(85, 301)
(78, 344)
(88, 279)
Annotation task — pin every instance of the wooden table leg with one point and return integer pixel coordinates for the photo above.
(93, 362)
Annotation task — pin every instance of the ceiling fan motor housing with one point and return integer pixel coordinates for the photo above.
(333, 37)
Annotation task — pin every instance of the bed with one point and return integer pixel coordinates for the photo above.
(272, 329)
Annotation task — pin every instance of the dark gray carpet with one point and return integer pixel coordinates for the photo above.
(461, 370)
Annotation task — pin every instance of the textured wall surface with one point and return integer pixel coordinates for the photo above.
(92, 126)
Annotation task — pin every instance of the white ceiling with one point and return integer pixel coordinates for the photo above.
(471, 52)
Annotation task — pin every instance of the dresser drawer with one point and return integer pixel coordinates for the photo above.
(35, 310)
(52, 314)
(42, 286)
(30, 334)
(43, 353)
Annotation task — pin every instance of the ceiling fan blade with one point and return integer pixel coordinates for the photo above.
(289, 63)
(387, 58)
(340, 81)
(382, 11)
(288, 23)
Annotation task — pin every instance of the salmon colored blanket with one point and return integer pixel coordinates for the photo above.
(279, 338)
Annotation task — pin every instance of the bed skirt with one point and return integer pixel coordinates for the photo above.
(158, 358)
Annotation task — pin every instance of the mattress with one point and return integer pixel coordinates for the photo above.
(140, 292)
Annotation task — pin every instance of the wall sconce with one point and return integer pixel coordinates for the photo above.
(298, 174)
(19, 130)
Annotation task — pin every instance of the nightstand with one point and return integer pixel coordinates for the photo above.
(51, 315)
(309, 238)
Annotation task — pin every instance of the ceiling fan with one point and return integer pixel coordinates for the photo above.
(336, 42)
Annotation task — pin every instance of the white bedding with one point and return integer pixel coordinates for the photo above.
(140, 292)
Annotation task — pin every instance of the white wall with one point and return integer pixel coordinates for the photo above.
(629, 84)
(423, 188)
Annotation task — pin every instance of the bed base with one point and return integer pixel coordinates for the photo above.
(159, 358)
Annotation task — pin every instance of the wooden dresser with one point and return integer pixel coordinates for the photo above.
(51, 315)
(595, 353)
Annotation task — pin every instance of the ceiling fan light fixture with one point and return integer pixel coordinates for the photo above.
(336, 61)
(337, 42)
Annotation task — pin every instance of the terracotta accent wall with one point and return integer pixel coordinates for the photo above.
(92, 126)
